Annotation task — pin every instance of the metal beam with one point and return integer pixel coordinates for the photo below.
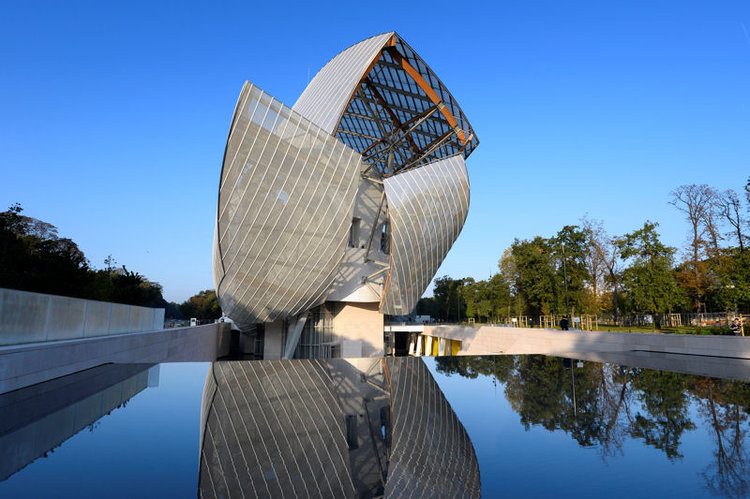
(357, 134)
(292, 339)
(384, 104)
(419, 119)
(375, 224)
(384, 86)
(426, 151)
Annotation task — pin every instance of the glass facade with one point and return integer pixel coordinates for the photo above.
(318, 339)
(285, 202)
(427, 208)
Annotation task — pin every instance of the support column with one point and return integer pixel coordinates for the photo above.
(293, 337)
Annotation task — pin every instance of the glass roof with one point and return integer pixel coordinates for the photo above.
(401, 116)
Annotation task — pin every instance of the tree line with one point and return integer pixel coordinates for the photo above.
(33, 257)
(584, 270)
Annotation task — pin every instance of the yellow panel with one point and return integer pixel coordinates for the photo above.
(455, 347)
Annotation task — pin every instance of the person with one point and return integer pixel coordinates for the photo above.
(736, 327)
(564, 323)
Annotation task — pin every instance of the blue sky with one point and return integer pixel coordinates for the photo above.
(114, 116)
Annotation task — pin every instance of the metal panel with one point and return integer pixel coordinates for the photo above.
(285, 202)
(218, 267)
(326, 97)
(427, 207)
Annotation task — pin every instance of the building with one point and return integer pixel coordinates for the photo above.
(339, 210)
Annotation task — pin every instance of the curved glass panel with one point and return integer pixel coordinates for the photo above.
(285, 202)
(326, 97)
(427, 208)
(216, 257)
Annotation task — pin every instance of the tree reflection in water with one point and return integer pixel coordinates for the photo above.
(602, 405)
(724, 406)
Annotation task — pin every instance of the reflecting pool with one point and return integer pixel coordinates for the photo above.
(532, 426)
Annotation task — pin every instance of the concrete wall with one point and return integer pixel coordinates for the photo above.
(27, 317)
(489, 340)
(272, 347)
(360, 327)
(25, 365)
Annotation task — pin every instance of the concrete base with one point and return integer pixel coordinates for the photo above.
(25, 365)
(360, 326)
(494, 340)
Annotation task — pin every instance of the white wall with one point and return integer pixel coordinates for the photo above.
(27, 317)
(31, 363)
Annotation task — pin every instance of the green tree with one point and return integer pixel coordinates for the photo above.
(731, 289)
(535, 279)
(450, 302)
(649, 279)
(204, 306)
(33, 257)
(570, 246)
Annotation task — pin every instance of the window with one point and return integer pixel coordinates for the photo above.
(354, 233)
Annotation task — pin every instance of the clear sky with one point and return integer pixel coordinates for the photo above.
(114, 116)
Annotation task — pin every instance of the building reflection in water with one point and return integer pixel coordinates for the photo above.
(332, 428)
(37, 419)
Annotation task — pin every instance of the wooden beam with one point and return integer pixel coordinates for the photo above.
(434, 97)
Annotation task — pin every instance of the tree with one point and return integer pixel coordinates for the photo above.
(665, 415)
(428, 306)
(535, 279)
(731, 271)
(603, 252)
(476, 295)
(501, 299)
(204, 306)
(723, 406)
(730, 209)
(651, 284)
(570, 248)
(33, 257)
(697, 202)
(514, 305)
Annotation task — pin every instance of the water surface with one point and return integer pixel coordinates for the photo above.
(540, 427)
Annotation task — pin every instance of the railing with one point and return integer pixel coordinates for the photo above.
(590, 322)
